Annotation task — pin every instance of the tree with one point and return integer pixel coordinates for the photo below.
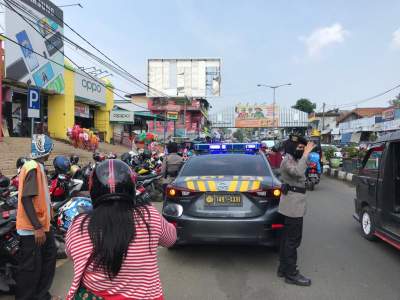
(305, 105)
(396, 101)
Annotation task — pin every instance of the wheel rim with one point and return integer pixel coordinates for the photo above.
(366, 223)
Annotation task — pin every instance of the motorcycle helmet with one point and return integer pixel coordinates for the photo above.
(146, 154)
(61, 164)
(112, 156)
(71, 209)
(41, 146)
(126, 158)
(74, 159)
(20, 162)
(98, 157)
(112, 177)
(4, 181)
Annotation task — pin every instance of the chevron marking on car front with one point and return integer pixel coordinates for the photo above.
(190, 185)
(211, 186)
(244, 186)
(233, 186)
(202, 186)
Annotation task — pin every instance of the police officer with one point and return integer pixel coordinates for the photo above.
(293, 207)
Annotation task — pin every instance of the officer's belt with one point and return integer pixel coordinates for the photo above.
(297, 189)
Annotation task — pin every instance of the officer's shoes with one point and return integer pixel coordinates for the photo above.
(280, 274)
(298, 279)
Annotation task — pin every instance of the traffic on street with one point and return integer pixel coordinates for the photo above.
(200, 150)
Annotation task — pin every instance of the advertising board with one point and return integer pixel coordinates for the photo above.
(41, 33)
(88, 89)
(82, 110)
(256, 116)
(184, 77)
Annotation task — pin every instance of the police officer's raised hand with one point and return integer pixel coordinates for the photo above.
(308, 149)
(40, 237)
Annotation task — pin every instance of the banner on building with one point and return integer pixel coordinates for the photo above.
(256, 116)
(82, 110)
(40, 34)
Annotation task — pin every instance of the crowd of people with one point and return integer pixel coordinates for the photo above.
(113, 247)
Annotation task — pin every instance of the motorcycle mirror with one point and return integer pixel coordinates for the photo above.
(62, 177)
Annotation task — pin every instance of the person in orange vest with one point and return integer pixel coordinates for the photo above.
(37, 256)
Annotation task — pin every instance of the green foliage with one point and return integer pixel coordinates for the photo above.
(329, 153)
(396, 101)
(305, 105)
(354, 153)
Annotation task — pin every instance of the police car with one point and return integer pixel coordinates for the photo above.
(226, 194)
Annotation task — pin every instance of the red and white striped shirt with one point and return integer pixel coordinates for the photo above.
(139, 276)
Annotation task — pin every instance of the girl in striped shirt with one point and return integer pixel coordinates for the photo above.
(114, 247)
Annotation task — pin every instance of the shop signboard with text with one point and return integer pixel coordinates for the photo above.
(256, 116)
(82, 110)
(36, 58)
(90, 90)
(122, 116)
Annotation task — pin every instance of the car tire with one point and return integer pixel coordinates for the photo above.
(367, 224)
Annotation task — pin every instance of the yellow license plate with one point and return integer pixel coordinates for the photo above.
(223, 200)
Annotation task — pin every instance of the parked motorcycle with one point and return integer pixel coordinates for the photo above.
(313, 171)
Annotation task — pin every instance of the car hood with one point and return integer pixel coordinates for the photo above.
(225, 183)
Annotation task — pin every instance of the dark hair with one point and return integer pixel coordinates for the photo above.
(112, 228)
(172, 147)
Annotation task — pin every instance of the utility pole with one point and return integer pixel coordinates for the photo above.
(323, 116)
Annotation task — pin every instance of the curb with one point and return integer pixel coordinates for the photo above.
(341, 175)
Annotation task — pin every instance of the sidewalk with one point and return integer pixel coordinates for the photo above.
(339, 174)
(13, 148)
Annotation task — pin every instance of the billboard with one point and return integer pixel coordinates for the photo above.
(44, 37)
(184, 77)
(256, 116)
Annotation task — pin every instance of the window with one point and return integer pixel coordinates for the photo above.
(372, 160)
(226, 164)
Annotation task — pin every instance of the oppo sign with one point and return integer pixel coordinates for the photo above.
(89, 90)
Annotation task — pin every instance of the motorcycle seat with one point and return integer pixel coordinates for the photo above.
(146, 177)
(6, 227)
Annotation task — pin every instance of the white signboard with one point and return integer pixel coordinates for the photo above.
(90, 90)
(122, 116)
(184, 77)
(42, 34)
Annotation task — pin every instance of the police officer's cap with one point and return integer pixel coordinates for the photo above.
(297, 138)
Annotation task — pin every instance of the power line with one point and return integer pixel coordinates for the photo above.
(368, 99)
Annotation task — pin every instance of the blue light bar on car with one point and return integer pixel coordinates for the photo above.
(227, 147)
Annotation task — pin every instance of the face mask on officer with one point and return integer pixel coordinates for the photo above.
(299, 152)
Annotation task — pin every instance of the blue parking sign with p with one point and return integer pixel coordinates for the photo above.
(33, 103)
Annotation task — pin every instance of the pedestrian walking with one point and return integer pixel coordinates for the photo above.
(37, 254)
(114, 247)
(293, 207)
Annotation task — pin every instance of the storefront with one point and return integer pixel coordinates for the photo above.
(85, 102)
(128, 120)
(15, 111)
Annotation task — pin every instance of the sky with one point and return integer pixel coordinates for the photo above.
(337, 52)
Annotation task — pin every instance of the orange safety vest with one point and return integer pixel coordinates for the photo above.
(39, 201)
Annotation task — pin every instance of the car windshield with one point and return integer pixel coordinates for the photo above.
(229, 164)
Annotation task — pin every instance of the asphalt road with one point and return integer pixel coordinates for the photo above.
(340, 262)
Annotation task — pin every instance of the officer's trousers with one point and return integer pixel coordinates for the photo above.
(290, 241)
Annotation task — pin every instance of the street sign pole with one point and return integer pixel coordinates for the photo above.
(33, 106)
